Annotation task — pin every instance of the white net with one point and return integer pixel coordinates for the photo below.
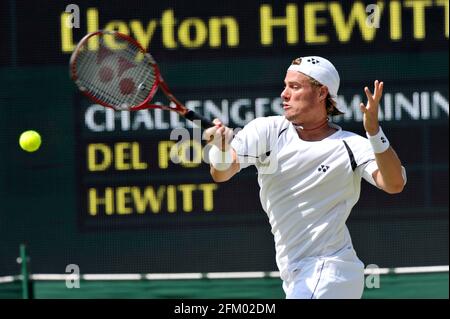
(114, 71)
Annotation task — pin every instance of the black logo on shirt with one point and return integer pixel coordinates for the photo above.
(323, 168)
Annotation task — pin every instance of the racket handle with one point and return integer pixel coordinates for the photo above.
(204, 122)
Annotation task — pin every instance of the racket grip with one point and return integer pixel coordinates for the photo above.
(204, 122)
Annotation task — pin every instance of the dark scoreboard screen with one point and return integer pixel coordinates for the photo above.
(128, 192)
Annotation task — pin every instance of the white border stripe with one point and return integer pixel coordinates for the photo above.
(213, 275)
(274, 274)
(112, 277)
(377, 271)
(248, 274)
(54, 277)
(174, 276)
(411, 270)
(6, 279)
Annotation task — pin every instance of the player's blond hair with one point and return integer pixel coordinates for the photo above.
(330, 104)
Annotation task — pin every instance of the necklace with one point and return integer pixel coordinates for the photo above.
(311, 129)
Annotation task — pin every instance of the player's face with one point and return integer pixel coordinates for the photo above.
(301, 99)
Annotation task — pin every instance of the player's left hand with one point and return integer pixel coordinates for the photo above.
(370, 117)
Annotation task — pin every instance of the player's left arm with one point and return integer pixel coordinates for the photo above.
(389, 175)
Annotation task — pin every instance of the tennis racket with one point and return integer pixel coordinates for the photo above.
(114, 70)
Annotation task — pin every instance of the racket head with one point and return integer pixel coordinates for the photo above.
(114, 70)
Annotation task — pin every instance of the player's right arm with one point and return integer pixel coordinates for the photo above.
(221, 136)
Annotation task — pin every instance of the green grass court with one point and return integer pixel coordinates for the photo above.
(392, 286)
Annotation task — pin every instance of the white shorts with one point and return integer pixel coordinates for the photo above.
(340, 276)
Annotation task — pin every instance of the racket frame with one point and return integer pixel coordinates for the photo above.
(159, 82)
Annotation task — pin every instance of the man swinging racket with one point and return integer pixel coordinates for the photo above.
(309, 173)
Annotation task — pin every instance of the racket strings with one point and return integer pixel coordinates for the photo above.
(117, 89)
(90, 78)
(121, 78)
(109, 66)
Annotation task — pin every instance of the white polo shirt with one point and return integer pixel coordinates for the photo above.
(307, 188)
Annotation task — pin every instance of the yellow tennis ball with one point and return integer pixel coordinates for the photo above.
(30, 141)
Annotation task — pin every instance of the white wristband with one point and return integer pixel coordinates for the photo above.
(220, 160)
(379, 142)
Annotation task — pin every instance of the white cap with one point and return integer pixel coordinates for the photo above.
(321, 70)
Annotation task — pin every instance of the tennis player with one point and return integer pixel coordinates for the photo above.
(309, 173)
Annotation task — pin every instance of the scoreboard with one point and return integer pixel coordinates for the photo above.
(128, 192)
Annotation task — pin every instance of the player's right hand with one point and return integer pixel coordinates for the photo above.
(219, 135)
